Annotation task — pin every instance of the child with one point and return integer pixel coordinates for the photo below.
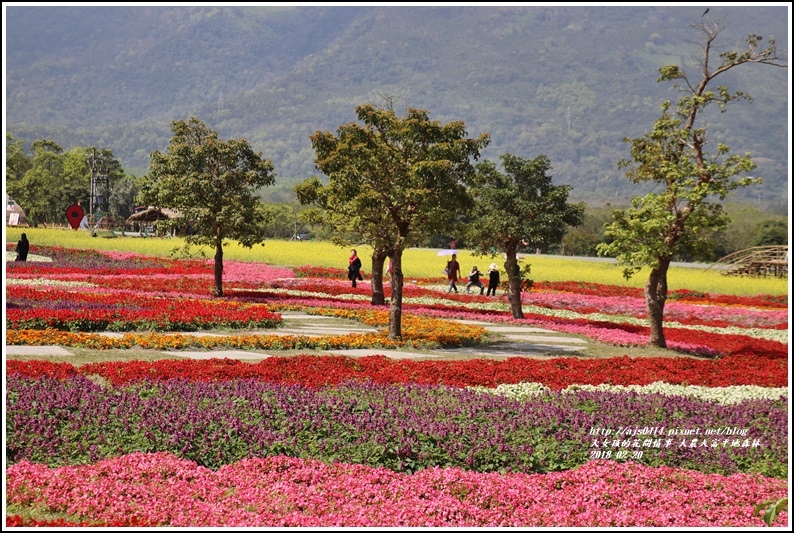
(493, 279)
(474, 279)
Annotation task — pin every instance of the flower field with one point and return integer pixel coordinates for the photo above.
(696, 438)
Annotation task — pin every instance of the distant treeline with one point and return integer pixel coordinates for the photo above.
(47, 180)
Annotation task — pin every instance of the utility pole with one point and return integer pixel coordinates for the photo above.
(99, 163)
(295, 217)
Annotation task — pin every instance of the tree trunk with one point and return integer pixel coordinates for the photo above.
(396, 306)
(513, 282)
(218, 291)
(655, 298)
(378, 296)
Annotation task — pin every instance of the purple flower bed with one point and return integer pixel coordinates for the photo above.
(64, 258)
(404, 428)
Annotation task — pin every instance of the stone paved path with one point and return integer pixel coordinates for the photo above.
(508, 341)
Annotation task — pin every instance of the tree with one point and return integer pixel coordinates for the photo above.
(280, 221)
(123, 192)
(76, 183)
(36, 190)
(580, 242)
(395, 180)
(352, 219)
(211, 184)
(679, 218)
(771, 233)
(17, 162)
(520, 205)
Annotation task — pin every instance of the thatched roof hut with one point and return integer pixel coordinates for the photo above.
(12, 208)
(152, 214)
(144, 218)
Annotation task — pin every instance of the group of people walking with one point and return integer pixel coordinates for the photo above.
(453, 274)
(452, 271)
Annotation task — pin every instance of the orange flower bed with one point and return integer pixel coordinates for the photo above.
(421, 332)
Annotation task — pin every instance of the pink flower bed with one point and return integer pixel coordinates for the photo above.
(674, 311)
(160, 489)
(252, 273)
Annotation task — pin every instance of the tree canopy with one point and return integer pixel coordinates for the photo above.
(681, 215)
(394, 180)
(48, 181)
(521, 205)
(211, 184)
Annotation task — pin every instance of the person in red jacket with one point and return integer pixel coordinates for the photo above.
(354, 268)
(453, 273)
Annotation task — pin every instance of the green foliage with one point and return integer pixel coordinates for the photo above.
(212, 184)
(522, 204)
(680, 218)
(17, 162)
(580, 242)
(122, 196)
(45, 173)
(393, 181)
(769, 509)
(49, 181)
(771, 233)
(283, 221)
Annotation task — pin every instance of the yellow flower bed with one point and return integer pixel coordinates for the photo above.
(422, 263)
(421, 330)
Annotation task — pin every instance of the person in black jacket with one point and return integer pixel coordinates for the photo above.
(354, 268)
(493, 279)
(474, 279)
(23, 246)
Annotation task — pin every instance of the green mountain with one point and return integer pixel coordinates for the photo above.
(569, 82)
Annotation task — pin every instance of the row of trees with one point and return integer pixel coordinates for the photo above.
(393, 181)
(59, 178)
(748, 227)
(48, 180)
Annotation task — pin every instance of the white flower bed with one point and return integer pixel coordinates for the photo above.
(722, 395)
(47, 283)
(11, 256)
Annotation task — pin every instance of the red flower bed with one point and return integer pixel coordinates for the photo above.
(38, 368)
(91, 311)
(311, 271)
(684, 295)
(590, 289)
(730, 344)
(762, 300)
(196, 286)
(318, 371)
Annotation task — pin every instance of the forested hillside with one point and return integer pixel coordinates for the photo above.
(568, 82)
